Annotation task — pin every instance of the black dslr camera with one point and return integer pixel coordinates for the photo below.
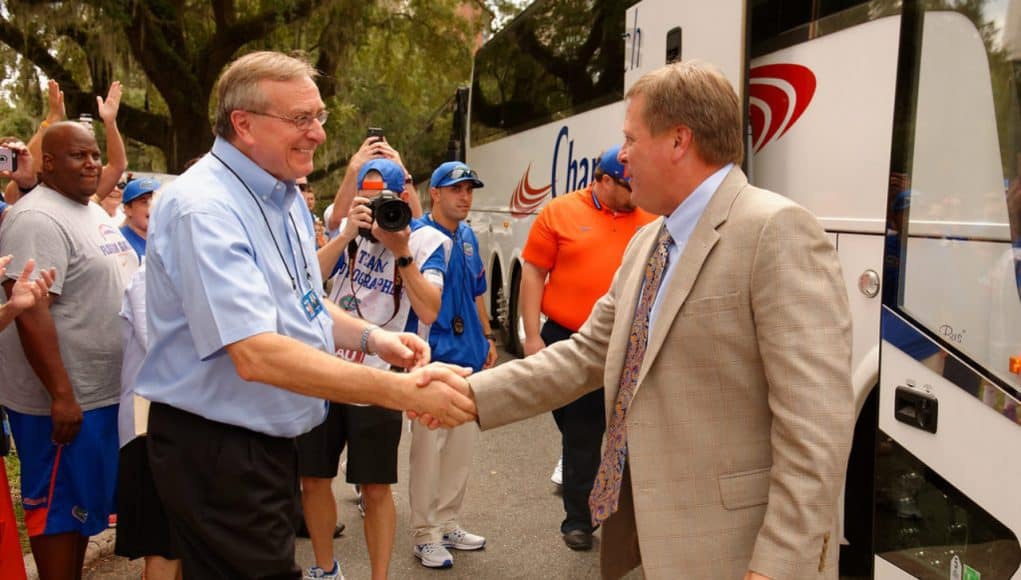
(392, 213)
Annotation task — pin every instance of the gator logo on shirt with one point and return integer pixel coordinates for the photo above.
(469, 251)
(113, 242)
(349, 303)
(81, 514)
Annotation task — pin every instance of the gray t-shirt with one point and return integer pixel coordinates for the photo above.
(94, 265)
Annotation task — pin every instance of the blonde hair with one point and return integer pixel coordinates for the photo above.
(238, 85)
(697, 95)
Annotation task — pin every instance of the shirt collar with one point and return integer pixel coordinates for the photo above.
(682, 221)
(595, 199)
(438, 225)
(263, 185)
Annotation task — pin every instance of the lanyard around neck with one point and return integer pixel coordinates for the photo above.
(280, 252)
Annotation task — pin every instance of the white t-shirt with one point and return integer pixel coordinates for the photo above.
(368, 291)
(136, 343)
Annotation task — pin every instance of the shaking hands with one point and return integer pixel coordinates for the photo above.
(440, 396)
(436, 394)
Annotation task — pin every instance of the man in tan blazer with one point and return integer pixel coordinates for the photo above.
(740, 424)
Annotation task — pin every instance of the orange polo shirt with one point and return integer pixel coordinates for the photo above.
(581, 243)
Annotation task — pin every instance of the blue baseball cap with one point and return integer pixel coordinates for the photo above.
(452, 173)
(610, 166)
(136, 188)
(393, 174)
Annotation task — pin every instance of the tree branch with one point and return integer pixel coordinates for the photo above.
(35, 51)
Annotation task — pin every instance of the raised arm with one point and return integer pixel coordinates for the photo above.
(116, 156)
(349, 185)
(25, 177)
(54, 114)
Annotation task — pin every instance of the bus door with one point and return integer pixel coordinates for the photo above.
(658, 32)
(946, 500)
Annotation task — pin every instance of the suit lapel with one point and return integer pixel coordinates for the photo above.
(678, 286)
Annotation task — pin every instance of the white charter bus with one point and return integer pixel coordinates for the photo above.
(897, 123)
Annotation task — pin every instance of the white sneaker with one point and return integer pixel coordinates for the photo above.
(459, 539)
(434, 555)
(558, 472)
(317, 573)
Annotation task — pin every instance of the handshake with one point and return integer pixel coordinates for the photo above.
(436, 394)
(441, 396)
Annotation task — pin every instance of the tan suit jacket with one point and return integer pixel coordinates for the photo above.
(741, 424)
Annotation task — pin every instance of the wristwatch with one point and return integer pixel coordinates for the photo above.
(404, 261)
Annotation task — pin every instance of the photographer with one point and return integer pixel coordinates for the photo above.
(382, 271)
(17, 165)
(374, 147)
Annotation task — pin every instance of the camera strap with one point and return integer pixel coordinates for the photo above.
(352, 253)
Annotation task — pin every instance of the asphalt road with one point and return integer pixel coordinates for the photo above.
(510, 500)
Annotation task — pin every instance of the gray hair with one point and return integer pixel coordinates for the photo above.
(238, 85)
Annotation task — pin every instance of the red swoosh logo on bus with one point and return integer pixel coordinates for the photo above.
(527, 199)
(778, 95)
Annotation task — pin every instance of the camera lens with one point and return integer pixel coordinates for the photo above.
(392, 213)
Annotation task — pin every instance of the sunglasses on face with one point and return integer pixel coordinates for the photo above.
(303, 186)
(459, 172)
(122, 184)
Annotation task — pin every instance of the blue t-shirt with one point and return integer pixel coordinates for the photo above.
(464, 280)
(137, 242)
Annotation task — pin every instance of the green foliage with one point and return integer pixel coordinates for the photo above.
(391, 63)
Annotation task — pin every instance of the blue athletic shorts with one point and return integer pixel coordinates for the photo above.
(67, 488)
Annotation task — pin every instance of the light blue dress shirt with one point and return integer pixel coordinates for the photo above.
(681, 223)
(220, 270)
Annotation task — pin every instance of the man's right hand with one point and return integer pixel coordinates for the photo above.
(360, 216)
(55, 103)
(441, 396)
(25, 175)
(372, 148)
(66, 415)
(532, 345)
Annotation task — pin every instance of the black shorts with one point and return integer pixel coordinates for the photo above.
(371, 435)
(142, 527)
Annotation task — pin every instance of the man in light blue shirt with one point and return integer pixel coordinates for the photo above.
(241, 351)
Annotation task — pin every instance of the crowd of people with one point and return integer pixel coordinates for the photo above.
(192, 359)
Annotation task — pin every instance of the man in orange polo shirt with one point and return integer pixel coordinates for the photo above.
(577, 241)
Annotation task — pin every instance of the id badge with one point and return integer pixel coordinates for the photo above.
(311, 304)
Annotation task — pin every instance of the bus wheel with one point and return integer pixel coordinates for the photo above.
(515, 330)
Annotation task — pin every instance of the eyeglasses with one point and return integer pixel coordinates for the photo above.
(301, 122)
(459, 172)
(622, 183)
